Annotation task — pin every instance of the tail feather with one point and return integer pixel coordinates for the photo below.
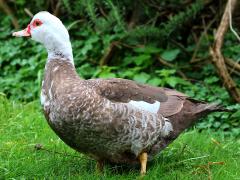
(191, 112)
(204, 109)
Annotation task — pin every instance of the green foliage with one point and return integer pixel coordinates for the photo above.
(22, 126)
(170, 55)
(163, 31)
(180, 19)
(15, 81)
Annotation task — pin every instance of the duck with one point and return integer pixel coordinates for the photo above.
(110, 120)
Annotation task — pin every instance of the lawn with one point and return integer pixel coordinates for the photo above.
(30, 149)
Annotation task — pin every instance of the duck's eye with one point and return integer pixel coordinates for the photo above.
(37, 22)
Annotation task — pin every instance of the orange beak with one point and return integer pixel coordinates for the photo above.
(22, 33)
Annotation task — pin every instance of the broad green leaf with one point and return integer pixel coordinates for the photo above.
(166, 72)
(170, 55)
(172, 81)
(155, 81)
(128, 60)
(236, 114)
(211, 80)
(141, 78)
(139, 60)
(225, 126)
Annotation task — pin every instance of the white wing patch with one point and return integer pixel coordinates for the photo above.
(167, 128)
(153, 108)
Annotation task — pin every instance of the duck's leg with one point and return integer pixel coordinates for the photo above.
(99, 166)
(143, 161)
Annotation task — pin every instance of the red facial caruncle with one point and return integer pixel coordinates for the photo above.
(27, 32)
(36, 23)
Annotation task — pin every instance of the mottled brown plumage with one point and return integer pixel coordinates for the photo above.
(94, 117)
(97, 122)
(114, 120)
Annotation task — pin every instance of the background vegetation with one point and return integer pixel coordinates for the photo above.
(159, 42)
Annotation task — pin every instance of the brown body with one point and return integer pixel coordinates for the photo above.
(94, 116)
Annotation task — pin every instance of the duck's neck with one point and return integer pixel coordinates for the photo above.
(58, 72)
(60, 68)
(59, 50)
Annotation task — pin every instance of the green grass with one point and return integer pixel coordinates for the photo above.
(23, 126)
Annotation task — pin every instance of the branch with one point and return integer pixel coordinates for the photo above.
(9, 12)
(28, 12)
(233, 71)
(134, 16)
(230, 22)
(179, 72)
(57, 8)
(217, 57)
(234, 65)
(108, 54)
(204, 33)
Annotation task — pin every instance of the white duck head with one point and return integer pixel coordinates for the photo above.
(50, 31)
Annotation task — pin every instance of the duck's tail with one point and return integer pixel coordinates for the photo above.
(204, 108)
(191, 112)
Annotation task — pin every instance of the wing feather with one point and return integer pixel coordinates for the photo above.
(123, 90)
